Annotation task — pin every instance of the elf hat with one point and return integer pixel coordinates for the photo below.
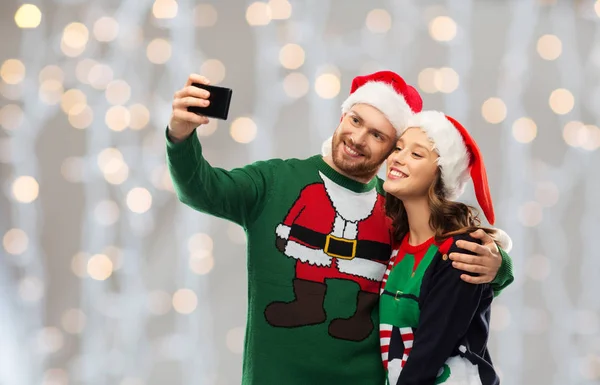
(459, 160)
(386, 91)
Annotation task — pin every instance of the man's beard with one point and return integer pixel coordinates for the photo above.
(363, 167)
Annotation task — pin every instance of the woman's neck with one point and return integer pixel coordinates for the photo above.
(418, 214)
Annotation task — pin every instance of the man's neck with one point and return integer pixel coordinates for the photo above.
(365, 179)
(418, 214)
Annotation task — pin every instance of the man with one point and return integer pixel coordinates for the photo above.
(318, 236)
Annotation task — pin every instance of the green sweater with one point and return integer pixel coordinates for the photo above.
(318, 246)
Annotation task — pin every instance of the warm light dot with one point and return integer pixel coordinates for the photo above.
(31, 289)
(139, 115)
(571, 133)
(11, 116)
(73, 321)
(205, 15)
(258, 13)
(530, 214)
(524, 130)
(28, 16)
(291, 56)
(110, 160)
(15, 241)
(139, 200)
(200, 242)
(107, 212)
(427, 80)
(55, 377)
(118, 92)
(493, 110)
(159, 302)
(561, 101)
(327, 86)
(51, 91)
(185, 301)
(207, 129)
(243, 130)
(214, 70)
(501, 318)
(79, 264)
(99, 267)
(446, 80)
(25, 189)
(296, 85)
(597, 9)
(201, 264)
(378, 21)
(547, 194)
(117, 118)
(235, 340)
(50, 340)
(74, 40)
(12, 71)
(236, 233)
(549, 47)
(106, 29)
(589, 137)
(100, 76)
(71, 98)
(119, 176)
(538, 267)
(81, 116)
(51, 72)
(442, 28)
(280, 9)
(164, 9)
(159, 51)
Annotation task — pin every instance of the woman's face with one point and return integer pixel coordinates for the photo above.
(412, 167)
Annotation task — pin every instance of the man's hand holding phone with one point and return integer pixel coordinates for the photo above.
(183, 122)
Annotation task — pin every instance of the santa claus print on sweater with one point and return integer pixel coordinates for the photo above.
(333, 233)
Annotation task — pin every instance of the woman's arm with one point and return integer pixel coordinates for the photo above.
(447, 310)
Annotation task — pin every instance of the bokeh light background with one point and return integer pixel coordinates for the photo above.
(106, 279)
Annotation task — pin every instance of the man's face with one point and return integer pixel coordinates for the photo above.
(362, 141)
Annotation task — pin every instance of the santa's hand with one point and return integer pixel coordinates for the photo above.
(280, 243)
(485, 263)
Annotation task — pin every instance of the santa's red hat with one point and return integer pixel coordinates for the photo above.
(386, 91)
(459, 160)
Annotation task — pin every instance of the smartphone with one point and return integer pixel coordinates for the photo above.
(220, 98)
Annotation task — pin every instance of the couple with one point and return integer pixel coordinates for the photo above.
(344, 270)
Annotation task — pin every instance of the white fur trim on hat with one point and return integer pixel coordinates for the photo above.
(383, 97)
(448, 143)
(503, 239)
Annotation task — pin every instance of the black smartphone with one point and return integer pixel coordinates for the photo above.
(220, 98)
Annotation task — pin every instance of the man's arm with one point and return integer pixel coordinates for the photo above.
(447, 311)
(238, 195)
(487, 260)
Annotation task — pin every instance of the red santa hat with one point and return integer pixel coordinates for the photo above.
(459, 160)
(386, 91)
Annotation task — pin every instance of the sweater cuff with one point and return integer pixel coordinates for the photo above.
(183, 149)
(504, 277)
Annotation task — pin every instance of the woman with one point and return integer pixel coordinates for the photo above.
(434, 326)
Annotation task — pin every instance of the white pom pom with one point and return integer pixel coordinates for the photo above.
(503, 239)
(326, 147)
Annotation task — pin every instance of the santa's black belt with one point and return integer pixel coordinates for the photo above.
(398, 294)
(340, 247)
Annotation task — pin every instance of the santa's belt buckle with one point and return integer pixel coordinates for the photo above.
(340, 247)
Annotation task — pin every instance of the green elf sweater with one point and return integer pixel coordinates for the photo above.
(318, 246)
(434, 326)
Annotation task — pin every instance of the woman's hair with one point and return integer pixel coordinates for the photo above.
(448, 218)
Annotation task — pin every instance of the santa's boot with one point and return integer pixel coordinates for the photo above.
(306, 309)
(360, 325)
